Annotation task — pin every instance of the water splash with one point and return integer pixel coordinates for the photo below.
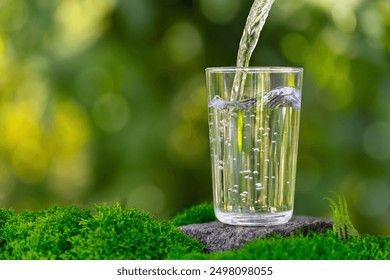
(278, 97)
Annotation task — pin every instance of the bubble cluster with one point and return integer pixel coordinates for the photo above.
(249, 164)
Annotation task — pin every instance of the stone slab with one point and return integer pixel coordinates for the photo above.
(217, 236)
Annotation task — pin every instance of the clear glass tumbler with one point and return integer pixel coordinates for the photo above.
(254, 128)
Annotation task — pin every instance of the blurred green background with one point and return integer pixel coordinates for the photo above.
(104, 101)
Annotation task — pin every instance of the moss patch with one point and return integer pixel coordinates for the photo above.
(202, 213)
(70, 233)
(117, 233)
(317, 246)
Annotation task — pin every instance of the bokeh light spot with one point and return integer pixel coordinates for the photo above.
(111, 112)
(183, 42)
(344, 17)
(376, 141)
(69, 178)
(336, 40)
(220, 11)
(373, 199)
(70, 131)
(372, 23)
(79, 23)
(30, 162)
(294, 47)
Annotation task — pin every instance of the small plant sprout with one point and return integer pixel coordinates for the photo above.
(342, 224)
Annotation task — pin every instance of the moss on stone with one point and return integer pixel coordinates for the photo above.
(316, 246)
(202, 213)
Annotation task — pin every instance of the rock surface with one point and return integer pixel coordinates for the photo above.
(217, 236)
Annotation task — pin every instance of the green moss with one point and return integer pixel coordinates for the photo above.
(320, 246)
(202, 213)
(70, 233)
(117, 233)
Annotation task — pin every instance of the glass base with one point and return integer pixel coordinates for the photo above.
(253, 219)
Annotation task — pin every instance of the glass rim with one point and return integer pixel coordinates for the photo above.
(254, 69)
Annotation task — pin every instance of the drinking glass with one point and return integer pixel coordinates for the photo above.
(254, 127)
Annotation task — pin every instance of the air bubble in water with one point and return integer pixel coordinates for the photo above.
(244, 194)
(258, 186)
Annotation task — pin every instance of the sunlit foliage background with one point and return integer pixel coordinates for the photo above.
(104, 100)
